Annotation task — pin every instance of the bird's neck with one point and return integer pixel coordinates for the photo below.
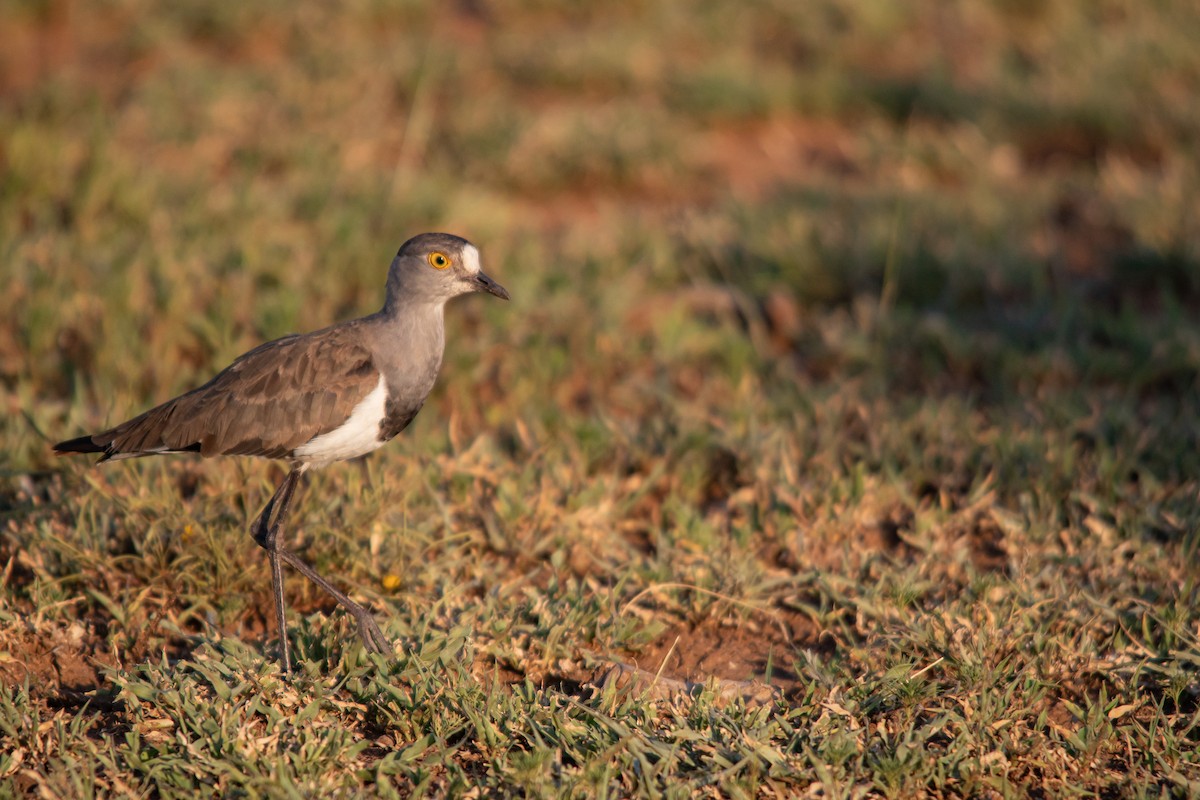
(412, 331)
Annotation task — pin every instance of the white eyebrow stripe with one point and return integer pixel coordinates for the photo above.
(470, 259)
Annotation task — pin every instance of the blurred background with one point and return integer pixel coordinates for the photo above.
(858, 311)
(180, 184)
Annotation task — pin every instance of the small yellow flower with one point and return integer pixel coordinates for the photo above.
(391, 582)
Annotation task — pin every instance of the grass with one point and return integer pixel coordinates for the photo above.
(842, 436)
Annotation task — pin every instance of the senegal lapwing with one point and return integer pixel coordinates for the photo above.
(316, 398)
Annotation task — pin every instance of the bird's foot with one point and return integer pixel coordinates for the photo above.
(372, 637)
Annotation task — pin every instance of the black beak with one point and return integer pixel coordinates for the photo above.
(485, 284)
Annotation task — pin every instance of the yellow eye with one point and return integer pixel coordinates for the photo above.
(439, 260)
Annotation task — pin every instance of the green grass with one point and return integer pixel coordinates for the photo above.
(842, 436)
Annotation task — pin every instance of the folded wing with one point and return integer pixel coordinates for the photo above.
(267, 403)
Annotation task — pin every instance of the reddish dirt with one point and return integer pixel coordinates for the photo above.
(760, 649)
(57, 660)
(751, 658)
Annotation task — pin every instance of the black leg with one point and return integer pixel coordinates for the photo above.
(372, 638)
(266, 533)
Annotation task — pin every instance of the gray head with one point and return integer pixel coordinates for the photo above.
(434, 267)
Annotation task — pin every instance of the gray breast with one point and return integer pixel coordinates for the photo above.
(408, 343)
(406, 394)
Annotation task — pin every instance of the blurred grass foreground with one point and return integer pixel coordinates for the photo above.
(842, 438)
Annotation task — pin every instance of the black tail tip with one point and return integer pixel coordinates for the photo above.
(84, 444)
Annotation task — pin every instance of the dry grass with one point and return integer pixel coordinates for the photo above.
(841, 437)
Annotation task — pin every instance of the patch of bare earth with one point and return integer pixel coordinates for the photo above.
(62, 663)
(749, 659)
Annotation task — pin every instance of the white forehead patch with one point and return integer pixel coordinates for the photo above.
(470, 259)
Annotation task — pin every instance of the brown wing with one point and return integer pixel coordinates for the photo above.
(267, 403)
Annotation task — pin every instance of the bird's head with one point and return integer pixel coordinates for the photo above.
(434, 267)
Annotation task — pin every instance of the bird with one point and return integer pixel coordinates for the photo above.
(314, 399)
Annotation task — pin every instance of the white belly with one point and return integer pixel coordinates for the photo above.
(357, 436)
